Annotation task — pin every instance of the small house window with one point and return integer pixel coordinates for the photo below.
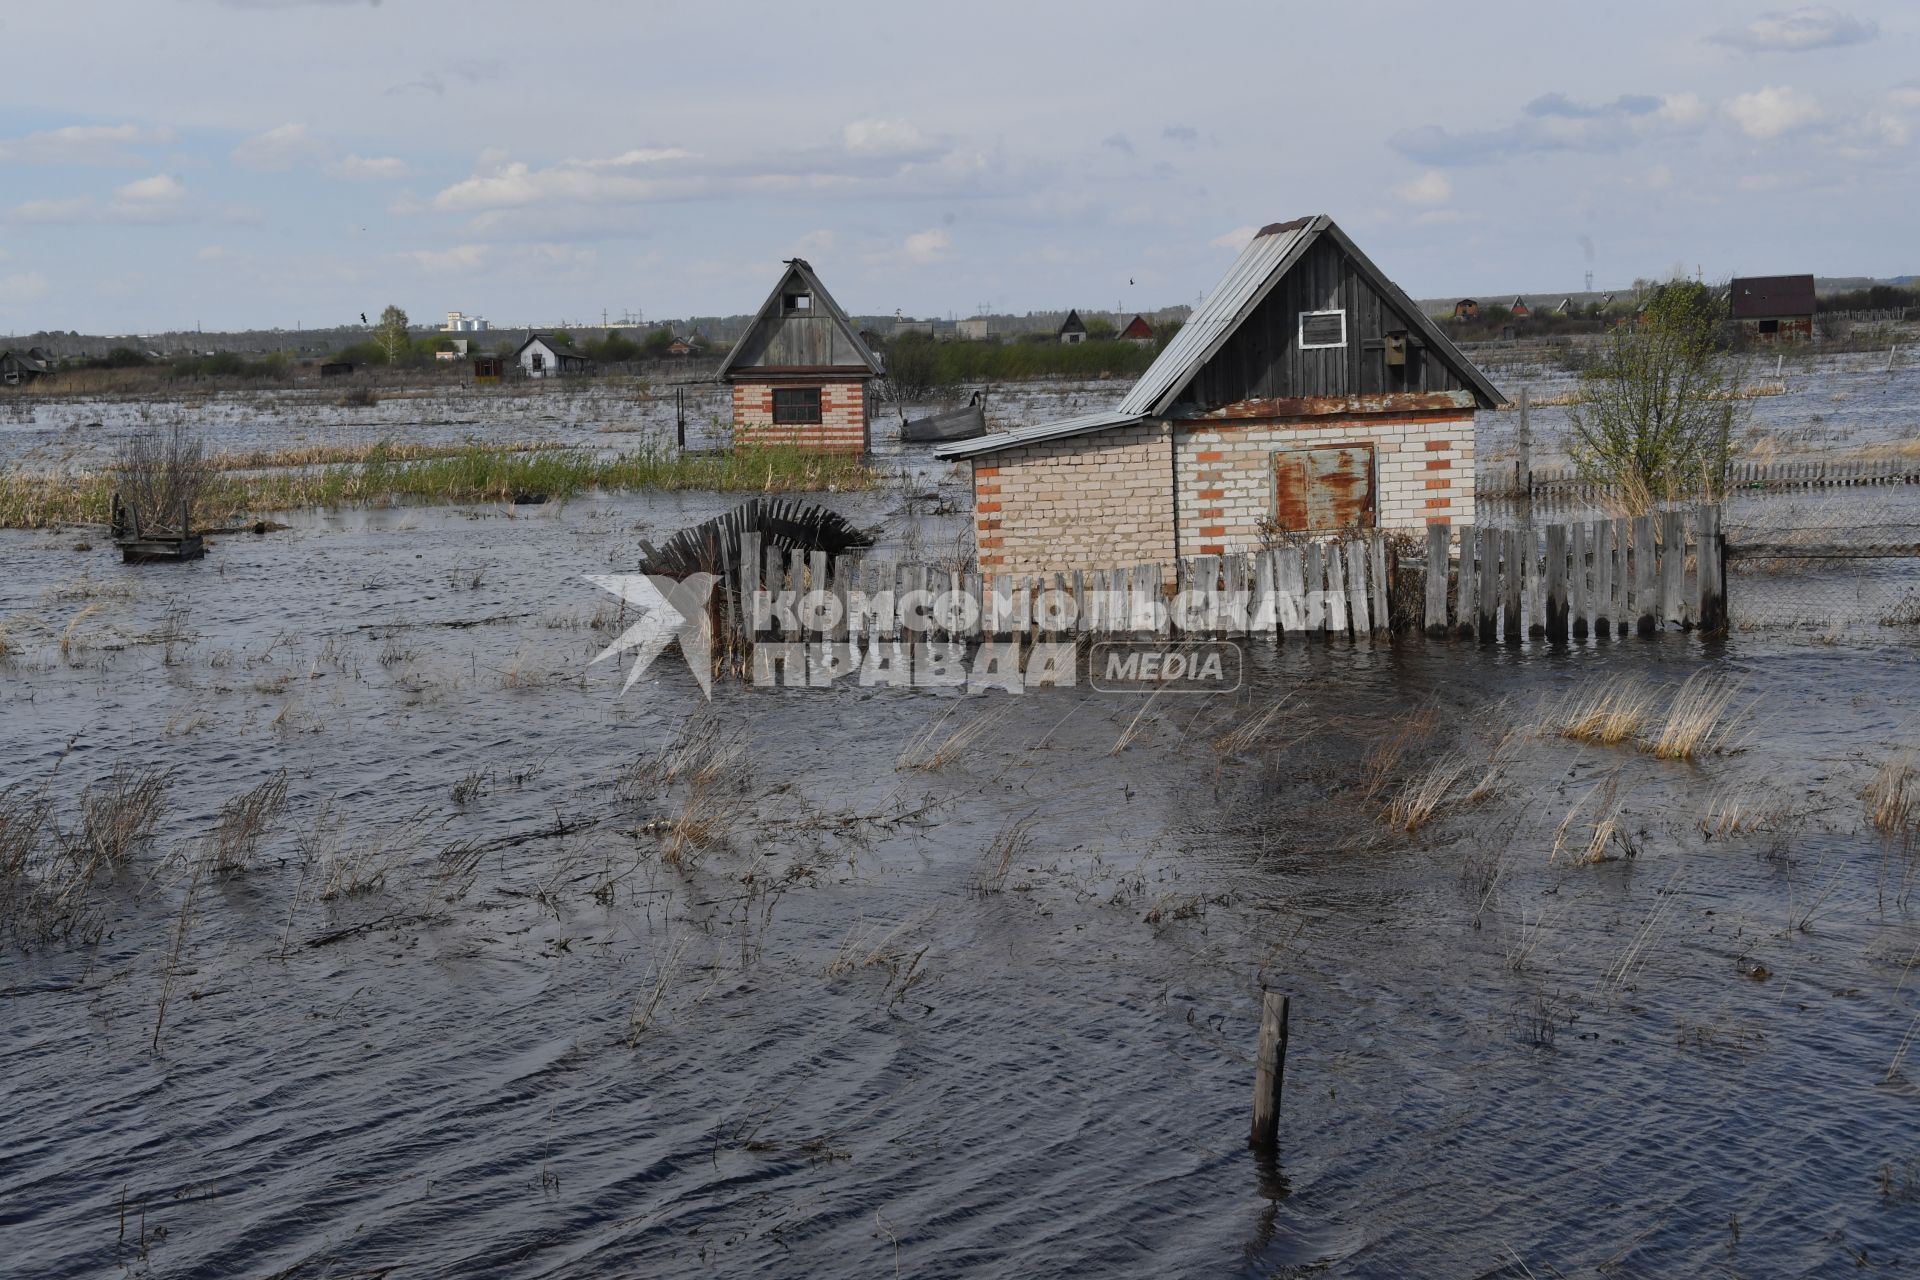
(1323, 329)
(796, 404)
(539, 362)
(796, 302)
(1769, 326)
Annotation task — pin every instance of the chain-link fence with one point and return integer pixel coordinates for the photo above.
(1825, 560)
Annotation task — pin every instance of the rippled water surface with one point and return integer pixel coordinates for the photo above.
(530, 978)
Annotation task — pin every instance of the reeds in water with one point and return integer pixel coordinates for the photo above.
(1893, 797)
(1423, 795)
(1607, 714)
(1698, 722)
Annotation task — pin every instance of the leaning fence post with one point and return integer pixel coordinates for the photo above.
(1270, 1071)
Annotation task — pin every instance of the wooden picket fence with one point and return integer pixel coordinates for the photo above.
(1561, 581)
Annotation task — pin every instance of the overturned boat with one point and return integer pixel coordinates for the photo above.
(964, 423)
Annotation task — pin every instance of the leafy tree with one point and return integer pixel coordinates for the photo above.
(391, 333)
(1657, 411)
(656, 342)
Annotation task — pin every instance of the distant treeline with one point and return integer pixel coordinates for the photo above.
(1879, 297)
(222, 364)
(917, 364)
(615, 348)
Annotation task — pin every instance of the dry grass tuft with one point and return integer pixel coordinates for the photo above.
(1384, 757)
(1607, 715)
(1014, 840)
(1421, 797)
(243, 823)
(1256, 728)
(1607, 827)
(930, 750)
(1697, 724)
(1893, 797)
(118, 814)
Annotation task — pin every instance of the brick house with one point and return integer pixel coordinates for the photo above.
(801, 375)
(1307, 391)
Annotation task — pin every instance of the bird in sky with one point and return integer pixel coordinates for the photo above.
(363, 317)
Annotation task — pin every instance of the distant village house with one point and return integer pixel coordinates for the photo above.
(1137, 330)
(1772, 308)
(801, 375)
(544, 356)
(973, 330)
(1072, 330)
(1307, 394)
(1518, 309)
(17, 368)
(1466, 309)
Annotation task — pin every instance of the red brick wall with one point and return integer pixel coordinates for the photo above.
(843, 417)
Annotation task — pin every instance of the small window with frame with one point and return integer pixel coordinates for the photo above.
(1320, 329)
(796, 303)
(796, 405)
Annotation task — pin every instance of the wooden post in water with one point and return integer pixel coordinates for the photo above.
(1316, 589)
(1582, 577)
(1270, 1071)
(1673, 567)
(1465, 608)
(1603, 578)
(1487, 551)
(1645, 604)
(1382, 603)
(1438, 536)
(1557, 582)
(1337, 617)
(1514, 583)
(1713, 585)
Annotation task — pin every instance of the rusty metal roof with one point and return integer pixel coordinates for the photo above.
(1755, 297)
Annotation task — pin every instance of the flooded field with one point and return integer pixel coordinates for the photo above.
(422, 950)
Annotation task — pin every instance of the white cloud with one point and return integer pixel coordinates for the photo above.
(889, 137)
(358, 168)
(1772, 111)
(1236, 239)
(161, 188)
(819, 240)
(1555, 122)
(83, 144)
(1430, 188)
(1814, 26)
(1906, 95)
(25, 286)
(279, 148)
(926, 246)
(455, 258)
(212, 253)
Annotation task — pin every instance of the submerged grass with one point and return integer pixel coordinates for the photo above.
(1609, 714)
(478, 473)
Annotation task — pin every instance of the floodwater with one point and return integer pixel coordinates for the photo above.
(533, 978)
(512, 987)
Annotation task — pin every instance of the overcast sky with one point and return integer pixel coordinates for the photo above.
(241, 163)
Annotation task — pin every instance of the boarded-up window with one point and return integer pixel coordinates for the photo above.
(1323, 489)
(1323, 329)
(796, 404)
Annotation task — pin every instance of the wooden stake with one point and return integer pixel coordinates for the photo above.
(1270, 1071)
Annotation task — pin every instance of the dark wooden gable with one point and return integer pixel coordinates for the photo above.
(1264, 358)
(800, 329)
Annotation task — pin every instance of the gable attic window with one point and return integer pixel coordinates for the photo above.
(796, 303)
(1322, 329)
(796, 404)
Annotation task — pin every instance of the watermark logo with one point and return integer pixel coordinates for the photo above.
(669, 609)
(1148, 666)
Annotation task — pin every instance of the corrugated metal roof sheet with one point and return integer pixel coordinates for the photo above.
(998, 440)
(1267, 257)
(1206, 329)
